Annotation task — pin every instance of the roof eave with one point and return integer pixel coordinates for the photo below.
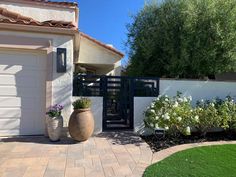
(113, 50)
(38, 29)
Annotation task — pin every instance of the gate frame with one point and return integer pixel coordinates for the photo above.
(103, 79)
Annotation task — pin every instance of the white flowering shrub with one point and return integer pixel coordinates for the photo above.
(170, 113)
(177, 116)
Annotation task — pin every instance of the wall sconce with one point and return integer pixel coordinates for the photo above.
(61, 60)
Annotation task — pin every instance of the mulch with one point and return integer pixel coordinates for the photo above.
(159, 143)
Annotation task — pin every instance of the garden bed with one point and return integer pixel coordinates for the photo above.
(158, 143)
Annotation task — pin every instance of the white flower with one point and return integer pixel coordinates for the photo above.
(196, 118)
(152, 105)
(166, 99)
(180, 100)
(202, 100)
(166, 96)
(157, 99)
(151, 125)
(156, 117)
(190, 98)
(174, 114)
(166, 128)
(166, 116)
(185, 99)
(156, 125)
(188, 131)
(176, 104)
(212, 104)
(152, 111)
(179, 119)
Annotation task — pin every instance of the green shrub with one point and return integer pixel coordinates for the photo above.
(82, 103)
(171, 113)
(208, 116)
(227, 111)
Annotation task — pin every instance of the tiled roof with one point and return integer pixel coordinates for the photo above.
(64, 3)
(102, 44)
(15, 18)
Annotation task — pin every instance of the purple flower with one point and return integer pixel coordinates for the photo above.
(55, 110)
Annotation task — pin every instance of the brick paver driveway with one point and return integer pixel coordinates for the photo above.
(109, 154)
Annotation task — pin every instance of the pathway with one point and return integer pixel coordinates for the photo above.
(107, 155)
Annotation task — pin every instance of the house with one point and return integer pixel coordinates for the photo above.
(40, 48)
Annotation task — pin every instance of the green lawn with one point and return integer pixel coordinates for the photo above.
(211, 161)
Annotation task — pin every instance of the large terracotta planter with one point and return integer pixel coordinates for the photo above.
(54, 126)
(81, 124)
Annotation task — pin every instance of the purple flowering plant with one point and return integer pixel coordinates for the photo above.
(55, 111)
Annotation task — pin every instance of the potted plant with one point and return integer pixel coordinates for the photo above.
(55, 122)
(81, 123)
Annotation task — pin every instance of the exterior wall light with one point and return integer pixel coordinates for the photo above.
(61, 60)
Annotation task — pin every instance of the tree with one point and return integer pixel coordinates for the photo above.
(183, 39)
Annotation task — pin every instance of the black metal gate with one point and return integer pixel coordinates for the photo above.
(118, 94)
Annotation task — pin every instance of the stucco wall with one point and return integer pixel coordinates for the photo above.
(140, 105)
(62, 82)
(197, 89)
(42, 12)
(97, 109)
(92, 53)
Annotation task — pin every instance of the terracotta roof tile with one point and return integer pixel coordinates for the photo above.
(102, 44)
(15, 18)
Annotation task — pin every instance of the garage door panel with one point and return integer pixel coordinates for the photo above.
(6, 113)
(27, 92)
(10, 124)
(10, 113)
(27, 81)
(22, 92)
(24, 103)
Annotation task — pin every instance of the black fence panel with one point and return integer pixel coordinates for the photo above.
(95, 85)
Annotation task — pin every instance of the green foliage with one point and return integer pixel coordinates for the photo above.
(183, 39)
(82, 103)
(177, 115)
(208, 116)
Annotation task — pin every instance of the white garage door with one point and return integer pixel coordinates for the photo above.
(22, 92)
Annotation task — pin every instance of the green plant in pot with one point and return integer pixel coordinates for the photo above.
(81, 123)
(54, 122)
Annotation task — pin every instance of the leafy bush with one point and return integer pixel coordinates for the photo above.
(172, 114)
(227, 112)
(208, 115)
(82, 103)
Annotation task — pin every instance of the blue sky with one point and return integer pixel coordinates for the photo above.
(106, 20)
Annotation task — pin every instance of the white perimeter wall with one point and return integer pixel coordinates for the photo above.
(97, 109)
(197, 89)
